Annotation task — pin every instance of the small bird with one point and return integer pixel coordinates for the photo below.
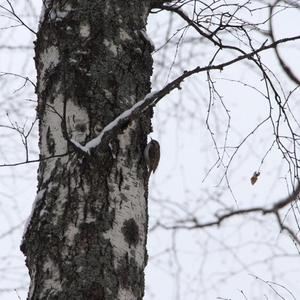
(152, 155)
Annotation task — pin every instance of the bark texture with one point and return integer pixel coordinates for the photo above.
(86, 238)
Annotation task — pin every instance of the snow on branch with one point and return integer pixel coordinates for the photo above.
(123, 118)
(151, 99)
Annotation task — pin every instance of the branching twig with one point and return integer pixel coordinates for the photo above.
(274, 209)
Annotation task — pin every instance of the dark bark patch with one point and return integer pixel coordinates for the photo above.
(81, 127)
(131, 276)
(121, 179)
(50, 141)
(130, 231)
(95, 292)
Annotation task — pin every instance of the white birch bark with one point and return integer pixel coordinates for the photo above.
(86, 238)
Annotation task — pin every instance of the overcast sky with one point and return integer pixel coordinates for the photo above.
(195, 264)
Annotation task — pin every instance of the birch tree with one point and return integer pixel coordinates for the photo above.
(86, 236)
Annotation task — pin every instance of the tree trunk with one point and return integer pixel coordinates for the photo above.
(86, 238)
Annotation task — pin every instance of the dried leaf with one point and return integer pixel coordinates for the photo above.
(254, 178)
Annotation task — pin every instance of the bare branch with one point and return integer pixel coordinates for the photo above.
(282, 63)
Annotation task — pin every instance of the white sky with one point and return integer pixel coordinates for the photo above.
(203, 266)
